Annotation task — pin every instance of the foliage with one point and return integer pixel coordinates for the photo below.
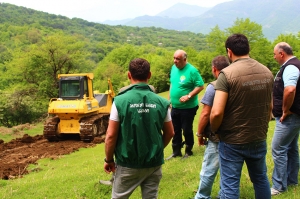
(215, 39)
(41, 64)
(18, 107)
(35, 47)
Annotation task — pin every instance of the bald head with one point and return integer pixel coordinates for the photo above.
(180, 58)
(282, 52)
(182, 53)
(285, 47)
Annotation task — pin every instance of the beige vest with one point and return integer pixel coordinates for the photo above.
(247, 110)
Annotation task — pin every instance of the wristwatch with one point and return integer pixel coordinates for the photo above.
(189, 96)
(198, 134)
(110, 161)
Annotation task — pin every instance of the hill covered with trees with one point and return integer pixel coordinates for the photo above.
(36, 46)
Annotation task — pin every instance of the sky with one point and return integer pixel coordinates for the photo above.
(102, 10)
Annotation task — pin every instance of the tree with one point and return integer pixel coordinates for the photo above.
(41, 64)
(203, 63)
(216, 40)
(252, 30)
(31, 76)
(114, 66)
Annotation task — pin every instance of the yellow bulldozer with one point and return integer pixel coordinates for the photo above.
(78, 109)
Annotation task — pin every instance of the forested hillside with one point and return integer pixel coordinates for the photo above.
(35, 47)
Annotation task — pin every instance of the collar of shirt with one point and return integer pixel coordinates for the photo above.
(288, 60)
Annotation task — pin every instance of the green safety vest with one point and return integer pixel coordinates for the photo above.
(142, 114)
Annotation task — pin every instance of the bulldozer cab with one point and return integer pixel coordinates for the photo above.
(73, 87)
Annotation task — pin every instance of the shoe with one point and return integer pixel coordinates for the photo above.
(176, 151)
(185, 156)
(107, 182)
(274, 192)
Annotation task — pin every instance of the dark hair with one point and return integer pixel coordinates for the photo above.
(238, 44)
(220, 62)
(139, 69)
(286, 48)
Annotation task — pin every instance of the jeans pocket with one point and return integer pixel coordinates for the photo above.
(230, 152)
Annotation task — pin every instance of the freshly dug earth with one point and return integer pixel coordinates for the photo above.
(19, 153)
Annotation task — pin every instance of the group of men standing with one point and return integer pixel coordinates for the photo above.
(236, 112)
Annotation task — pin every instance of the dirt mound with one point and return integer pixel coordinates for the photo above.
(17, 154)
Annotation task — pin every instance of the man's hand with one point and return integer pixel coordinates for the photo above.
(184, 98)
(289, 93)
(202, 140)
(109, 167)
(284, 115)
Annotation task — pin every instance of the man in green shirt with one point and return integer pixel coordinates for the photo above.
(186, 83)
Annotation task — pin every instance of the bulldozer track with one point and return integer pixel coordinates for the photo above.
(50, 129)
(87, 125)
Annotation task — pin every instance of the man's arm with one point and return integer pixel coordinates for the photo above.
(110, 145)
(271, 108)
(288, 99)
(191, 94)
(168, 132)
(217, 111)
(169, 98)
(203, 121)
(196, 91)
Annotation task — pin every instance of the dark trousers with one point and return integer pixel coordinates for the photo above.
(182, 120)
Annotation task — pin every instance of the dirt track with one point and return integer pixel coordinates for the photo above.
(17, 154)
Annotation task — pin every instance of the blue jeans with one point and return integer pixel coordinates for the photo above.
(209, 170)
(232, 158)
(285, 152)
(182, 120)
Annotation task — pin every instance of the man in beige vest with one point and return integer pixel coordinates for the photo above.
(240, 115)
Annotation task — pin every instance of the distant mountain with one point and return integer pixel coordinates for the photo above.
(275, 17)
(115, 22)
(180, 10)
(177, 11)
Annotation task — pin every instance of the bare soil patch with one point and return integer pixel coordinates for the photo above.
(19, 153)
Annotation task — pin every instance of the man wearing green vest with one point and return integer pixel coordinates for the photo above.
(140, 126)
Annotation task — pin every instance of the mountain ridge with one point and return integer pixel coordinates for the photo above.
(275, 16)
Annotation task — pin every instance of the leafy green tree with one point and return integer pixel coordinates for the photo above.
(252, 30)
(31, 76)
(114, 66)
(41, 64)
(161, 61)
(203, 63)
(262, 51)
(216, 40)
(19, 106)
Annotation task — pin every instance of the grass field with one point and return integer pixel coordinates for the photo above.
(77, 175)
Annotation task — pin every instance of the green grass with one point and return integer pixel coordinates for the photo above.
(77, 175)
(8, 134)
